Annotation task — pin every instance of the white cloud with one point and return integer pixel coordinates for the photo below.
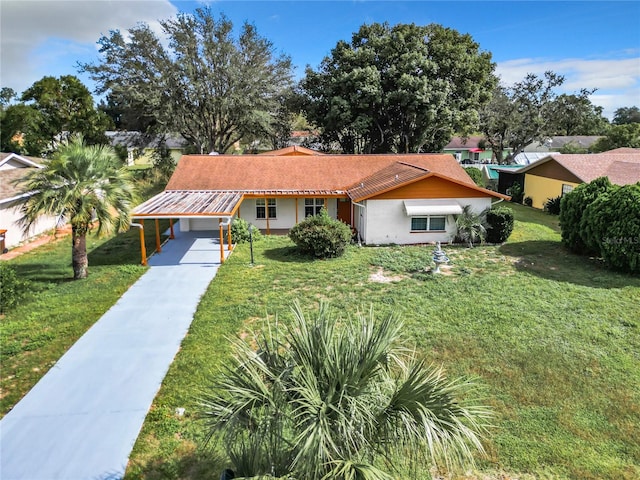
(37, 34)
(616, 79)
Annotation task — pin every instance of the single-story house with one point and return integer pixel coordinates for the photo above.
(471, 150)
(141, 146)
(555, 175)
(386, 199)
(491, 174)
(13, 168)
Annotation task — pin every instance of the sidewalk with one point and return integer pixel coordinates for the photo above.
(83, 417)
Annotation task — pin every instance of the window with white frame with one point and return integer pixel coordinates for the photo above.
(263, 205)
(312, 206)
(428, 224)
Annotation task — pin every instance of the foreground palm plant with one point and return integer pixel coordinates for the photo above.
(83, 185)
(328, 398)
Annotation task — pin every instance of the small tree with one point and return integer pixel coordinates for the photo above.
(338, 398)
(470, 226)
(476, 175)
(240, 231)
(321, 236)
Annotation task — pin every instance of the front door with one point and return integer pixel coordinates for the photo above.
(344, 210)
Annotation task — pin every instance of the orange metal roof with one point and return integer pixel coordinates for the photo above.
(178, 203)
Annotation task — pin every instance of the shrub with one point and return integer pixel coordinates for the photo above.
(476, 175)
(240, 231)
(499, 224)
(470, 226)
(572, 209)
(552, 205)
(528, 201)
(516, 193)
(12, 289)
(613, 226)
(321, 236)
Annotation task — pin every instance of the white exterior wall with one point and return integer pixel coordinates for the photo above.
(386, 222)
(285, 215)
(9, 216)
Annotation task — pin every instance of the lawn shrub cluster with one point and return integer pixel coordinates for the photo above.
(321, 236)
(602, 219)
(528, 201)
(476, 175)
(12, 288)
(552, 205)
(499, 224)
(240, 231)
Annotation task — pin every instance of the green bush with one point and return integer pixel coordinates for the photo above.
(240, 231)
(516, 193)
(476, 175)
(552, 205)
(617, 216)
(321, 236)
(12, 289)
(528, 201)
(499, 224)
(572, 209)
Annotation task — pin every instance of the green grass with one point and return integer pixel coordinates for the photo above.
(554, 339)
(57, 310)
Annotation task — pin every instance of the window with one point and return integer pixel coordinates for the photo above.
(312, 206)
(261, 207)
(428, 224)
(566, 188)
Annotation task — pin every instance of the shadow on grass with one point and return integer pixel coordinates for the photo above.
(550, 260)
(43, 273)
(287, 254)
(200, 463)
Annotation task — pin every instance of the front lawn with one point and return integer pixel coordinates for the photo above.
(553, 337)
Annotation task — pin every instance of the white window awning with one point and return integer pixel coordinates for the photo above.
(421, 208)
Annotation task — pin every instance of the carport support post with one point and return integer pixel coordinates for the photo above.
(143, 247)
(158, 246)
(221, 241)
(172, 236)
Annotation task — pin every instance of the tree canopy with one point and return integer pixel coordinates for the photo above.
(520, 114)
(576, 115)
(210, 86)
(405, 88)
(625, 135)
(51, 111)
(626, 115)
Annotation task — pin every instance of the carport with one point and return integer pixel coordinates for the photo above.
(187, 204)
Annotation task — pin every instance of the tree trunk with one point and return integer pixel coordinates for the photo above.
(79, 258)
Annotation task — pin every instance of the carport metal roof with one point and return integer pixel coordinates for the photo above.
(189, 203)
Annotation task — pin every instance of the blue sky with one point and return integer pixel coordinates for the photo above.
(594, 44)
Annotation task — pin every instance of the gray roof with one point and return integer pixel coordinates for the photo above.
(145, 140)
(557, 142)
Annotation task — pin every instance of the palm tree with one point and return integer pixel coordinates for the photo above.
(85, 186)
(470, 226)
(330, 398)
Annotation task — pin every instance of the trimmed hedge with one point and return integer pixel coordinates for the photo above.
(500, 223)
(604, 220)
(572, 209)
(475, 174)
(321, 236)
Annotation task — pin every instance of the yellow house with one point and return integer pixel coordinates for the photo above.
(141, 146)
(557, 174)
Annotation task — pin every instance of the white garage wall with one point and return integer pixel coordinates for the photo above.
(9, 216)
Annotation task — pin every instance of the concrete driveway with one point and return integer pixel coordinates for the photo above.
(81, 420)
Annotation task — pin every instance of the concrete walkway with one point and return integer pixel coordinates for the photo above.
(81, 420)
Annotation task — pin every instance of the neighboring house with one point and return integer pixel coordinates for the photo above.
(387, 199)
(471, 150)
(491, 175)
(13, 168)
(141, 146)
(556, 175)
(553, 144)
